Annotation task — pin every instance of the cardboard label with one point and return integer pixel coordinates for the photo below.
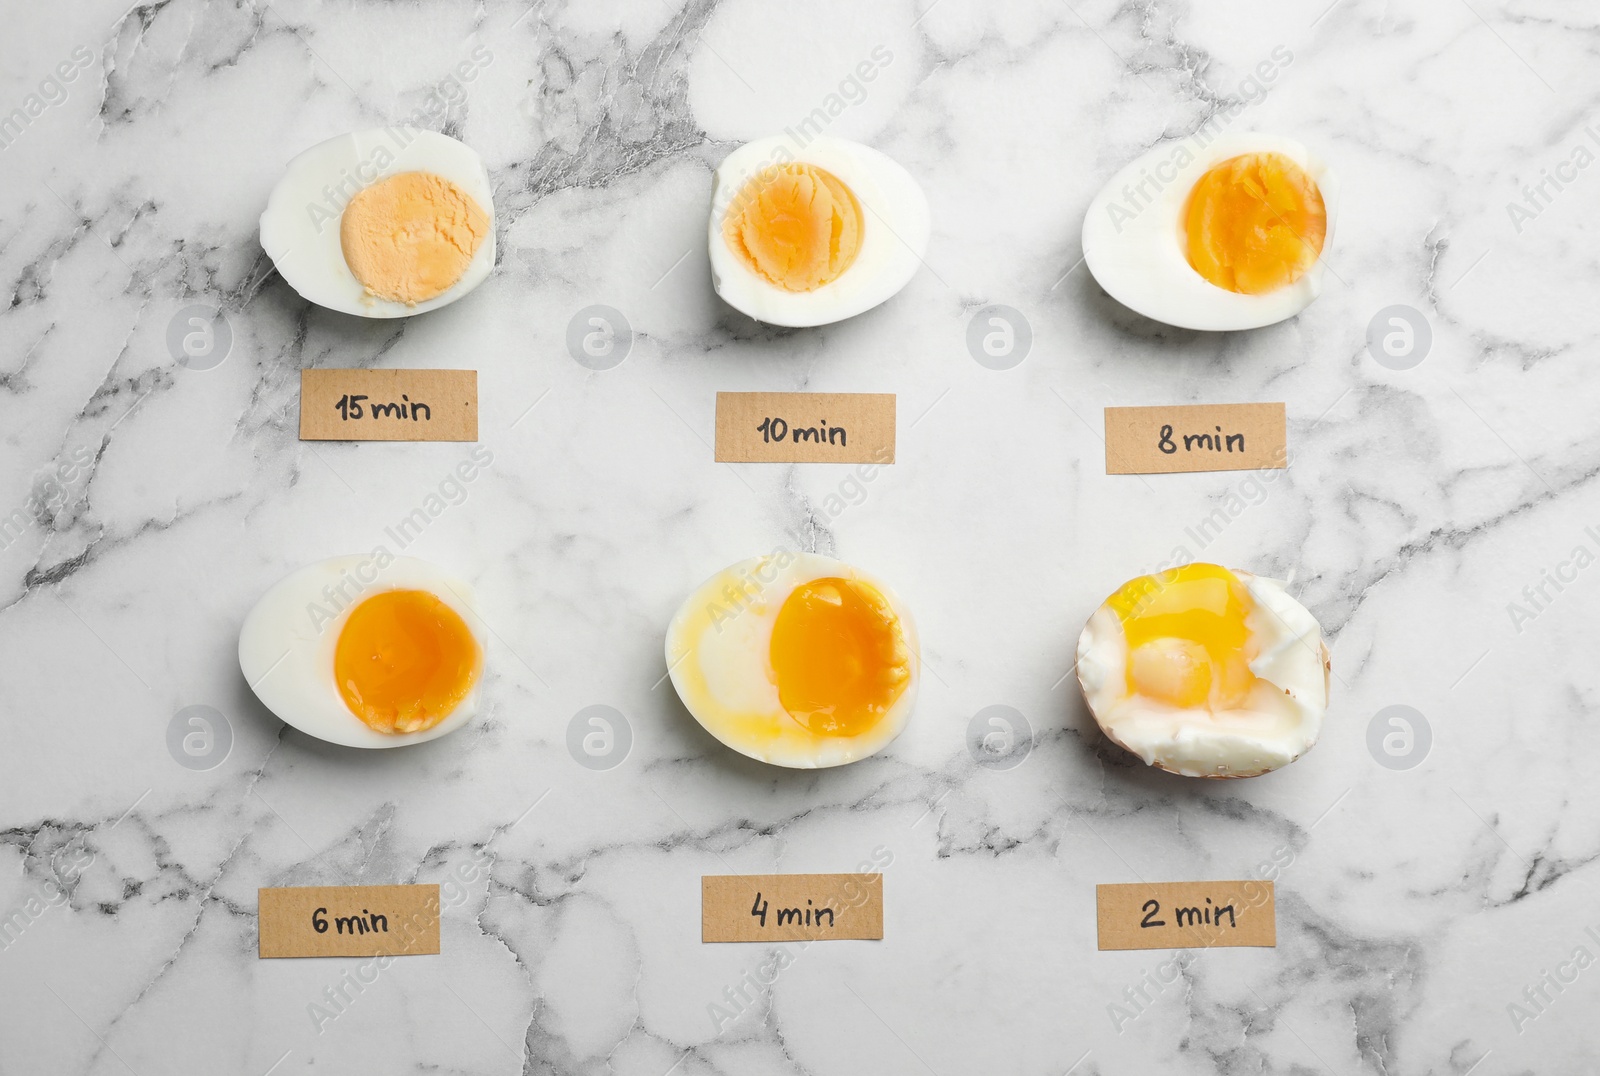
(1195, 437)
(349, 920)
(805, 427)
(1187, 915)
(388, 405)
(790, 907)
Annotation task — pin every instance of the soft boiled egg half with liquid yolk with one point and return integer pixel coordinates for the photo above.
(1221, 236)
(812, 232)
(1206, 672)
(383, 223)
(796, 660)
(366, 651)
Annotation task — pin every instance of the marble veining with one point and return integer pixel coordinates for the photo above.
(1442, 521)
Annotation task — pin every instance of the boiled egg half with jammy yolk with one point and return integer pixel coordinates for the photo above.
(1221, 234)
(809, 232)
(366, 651)
(795, 659)
(382, 223)
(1206, 672)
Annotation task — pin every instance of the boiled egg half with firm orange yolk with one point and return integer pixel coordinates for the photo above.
(1225, 233)
(796, 660)
(809, 232)
(383, 223)
(366, 651)
(1206, 672)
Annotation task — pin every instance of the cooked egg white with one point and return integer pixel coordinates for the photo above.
(1225, 235)
(366, 651)
(383, 223)
(1206, 672)
(796, 660)
(809, 233)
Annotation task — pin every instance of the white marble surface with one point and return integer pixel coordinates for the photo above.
(1416, 905)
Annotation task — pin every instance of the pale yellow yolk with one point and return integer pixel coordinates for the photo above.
(404, 661)
(795, 225)
(839, 657)
(410, 237)
(1188, 643)
(1255, 223)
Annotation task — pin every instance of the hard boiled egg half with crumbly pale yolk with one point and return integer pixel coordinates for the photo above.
(366, 651)
(795, 659)
(1214, 232)
(1206, 672)
(813, 231)
(382, 223)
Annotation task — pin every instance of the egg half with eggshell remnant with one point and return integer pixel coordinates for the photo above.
(810, 232)
(795, 660)
(383, 223)
(1206, 672)
(1219, 234)
(366, 651)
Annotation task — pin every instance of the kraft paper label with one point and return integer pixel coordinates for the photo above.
(349, 920)
(805, 427)
(790, 907)
(1195, 437)
(388, 405)
(1187, 915)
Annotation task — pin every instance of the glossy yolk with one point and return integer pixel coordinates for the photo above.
(410, 237)
(1255, 223)
(1188, 644)
(795, 225)
(404, 661)
(839, 657)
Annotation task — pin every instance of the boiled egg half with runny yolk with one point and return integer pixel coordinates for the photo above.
(1206, 672)
(382, 223)
(366, 651)
(795, 659)
(813, 231)
(1221, 233)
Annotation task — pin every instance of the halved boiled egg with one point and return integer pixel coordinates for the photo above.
(382, 223)
(813, 232)
(1206, 672)
(1220, 234)
(366, 651)
(796, 660)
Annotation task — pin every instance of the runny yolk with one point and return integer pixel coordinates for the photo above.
(795, 225)
(410, 237)
(404, 661)
(1188, 643)
(1255, 223)
(839, 656)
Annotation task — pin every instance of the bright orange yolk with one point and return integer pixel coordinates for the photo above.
(410, 237)
(839, 656)
(795, 225)
(404, 661)
(1255, 223)
(1188, 644)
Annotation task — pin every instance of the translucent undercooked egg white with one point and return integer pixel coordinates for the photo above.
(796, 660)
(809, 232)
(1219, 234)
(383, 223)
(1206, 672)
(366, 651)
